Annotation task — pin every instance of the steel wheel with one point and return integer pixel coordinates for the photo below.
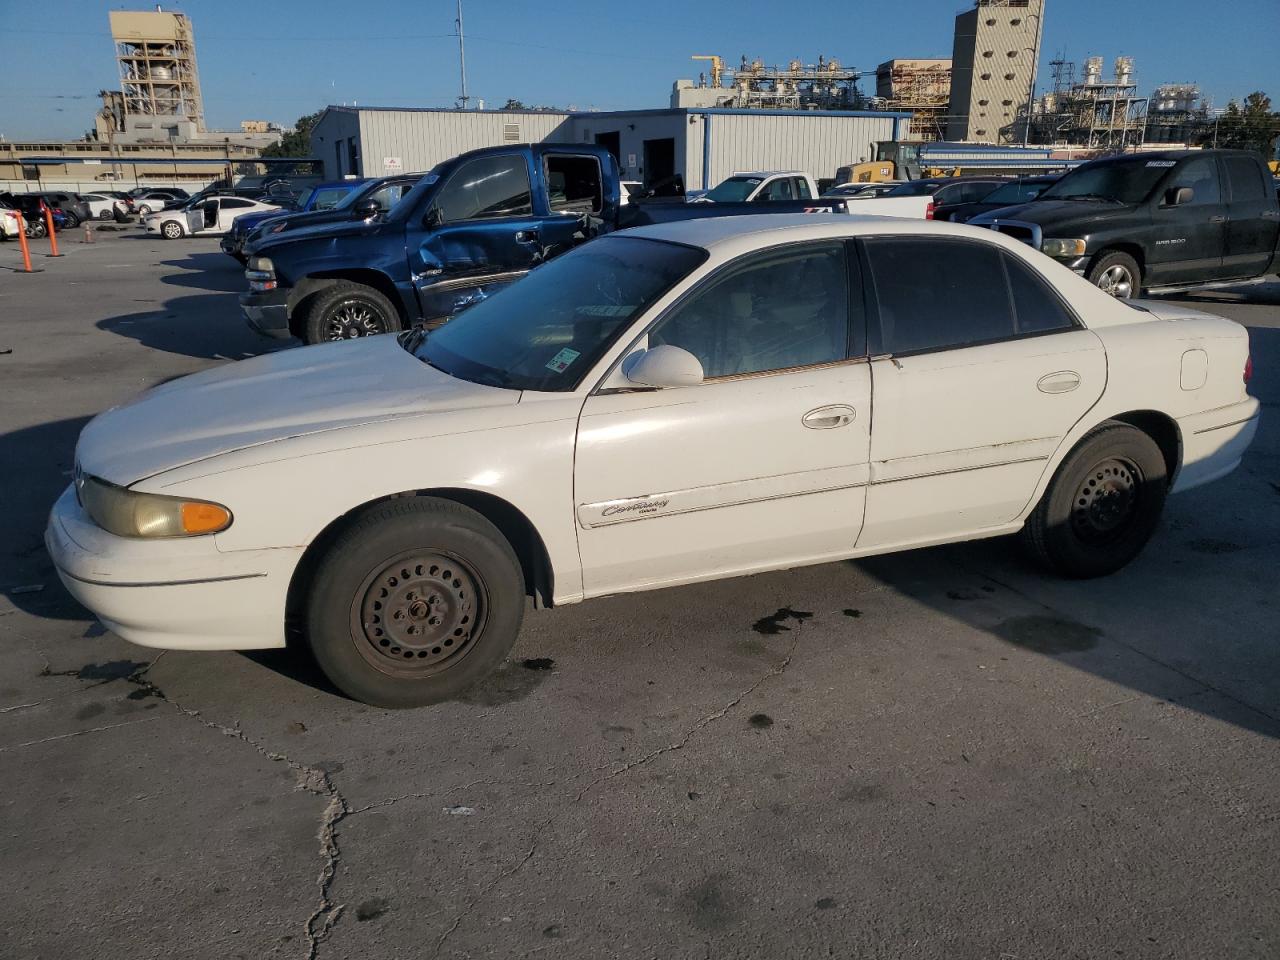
(1107, 500)
(1117, 281)
(353, 318)
(419, 614)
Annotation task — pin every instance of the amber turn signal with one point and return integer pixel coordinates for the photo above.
(204, 518)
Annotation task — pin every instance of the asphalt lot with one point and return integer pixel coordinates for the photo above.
(941, 754)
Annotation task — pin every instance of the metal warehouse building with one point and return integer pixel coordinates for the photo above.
(701, 146)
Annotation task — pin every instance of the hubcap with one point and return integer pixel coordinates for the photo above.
(419, 614)
(353, 318)
(1106, 501)
(1117, 281)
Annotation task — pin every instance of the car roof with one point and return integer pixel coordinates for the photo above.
(733, 234)
(766, 173)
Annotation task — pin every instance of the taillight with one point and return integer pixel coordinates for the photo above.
(1248, 368)
(928, 211)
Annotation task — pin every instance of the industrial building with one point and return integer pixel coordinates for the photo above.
(696, 147)
(1098, 112)
(993, 59)
(752, 85)
(919, 87)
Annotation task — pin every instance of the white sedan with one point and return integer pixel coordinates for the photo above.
(670, 404)
(211, 216)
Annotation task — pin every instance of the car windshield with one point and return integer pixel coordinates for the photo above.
(1122, 181)
(1011, 193)
(916, 188)
(734, 189)
(546, 331)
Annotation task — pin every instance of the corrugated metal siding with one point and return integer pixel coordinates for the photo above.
(815, 144)
(421, 139)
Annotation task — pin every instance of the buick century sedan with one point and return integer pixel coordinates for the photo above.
(676, 403)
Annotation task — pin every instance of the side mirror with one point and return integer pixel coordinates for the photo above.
(366, 209)
(665, 366)
(1177, 196)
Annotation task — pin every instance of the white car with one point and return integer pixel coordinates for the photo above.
(8, 222)
(103, 207)
(212, 216)
(676, 403)
(759, 185)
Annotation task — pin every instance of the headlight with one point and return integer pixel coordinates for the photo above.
(127, 513)
(261, 265)
(1063, 248)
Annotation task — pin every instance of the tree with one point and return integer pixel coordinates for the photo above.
(297, 142)
(1251, 126)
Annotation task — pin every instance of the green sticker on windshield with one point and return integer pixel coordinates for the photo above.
(560, 362)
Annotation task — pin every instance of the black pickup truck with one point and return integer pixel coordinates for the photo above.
(473, 225)
(1155, 221)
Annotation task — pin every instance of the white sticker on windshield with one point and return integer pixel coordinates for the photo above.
(560, 362)
(1162, 163)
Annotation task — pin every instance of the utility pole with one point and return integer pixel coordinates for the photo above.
(462, 59)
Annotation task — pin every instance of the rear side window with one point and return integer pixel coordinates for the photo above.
(937, 294)
(573, 184)
(1246, 179)
(485, 188)
(802, 189)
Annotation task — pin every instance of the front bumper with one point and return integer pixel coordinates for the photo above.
(180, 594)
(1214, 442)
(268, 312)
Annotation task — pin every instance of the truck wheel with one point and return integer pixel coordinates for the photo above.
(1102, 505)
(346, 311)
(413, 602)
(1118, 274)
(171, 229)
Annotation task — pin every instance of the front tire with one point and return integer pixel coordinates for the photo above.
(1103, 504)
(1118, 274)
(416, 600)
(347, 311)
(171, 230)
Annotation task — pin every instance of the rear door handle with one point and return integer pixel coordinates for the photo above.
(1061, 381)
(827, 418)
(526, 236)
(1218, 219)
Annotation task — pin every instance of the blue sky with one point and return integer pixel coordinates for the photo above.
(278, 59)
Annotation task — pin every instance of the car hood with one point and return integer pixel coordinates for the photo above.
(290, 393)
(327, 229)
(1060, 215)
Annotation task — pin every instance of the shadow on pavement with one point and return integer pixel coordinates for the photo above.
(205, 325)
(206, 271)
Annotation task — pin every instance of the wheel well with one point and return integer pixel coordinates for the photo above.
(310, 285)
(511, 523)
(1131, 249)
(1163, 430)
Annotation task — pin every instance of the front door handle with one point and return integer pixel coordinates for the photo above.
(1218, 219)
(1061, 381)
(827, 418)
(526, 236)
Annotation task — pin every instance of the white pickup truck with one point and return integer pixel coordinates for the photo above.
(763, 185)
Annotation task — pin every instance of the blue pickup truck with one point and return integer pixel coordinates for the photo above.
(471, 226)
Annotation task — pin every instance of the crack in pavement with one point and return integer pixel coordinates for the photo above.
(776, 670)
(75, 733)
(319, 925)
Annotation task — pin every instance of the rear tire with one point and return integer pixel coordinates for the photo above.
(72, 220)
(1103, 504)
(105, 215)
(348, 311)
(416, 600)
(1118, 274)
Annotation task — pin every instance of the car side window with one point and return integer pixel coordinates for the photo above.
(1246, 179)
(231, 203)
(936, 294)
(779, 189)
(574, 184)
(782, 309)
(486, 188)
(802, 189)
(1201, 175)
(1036, 307)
